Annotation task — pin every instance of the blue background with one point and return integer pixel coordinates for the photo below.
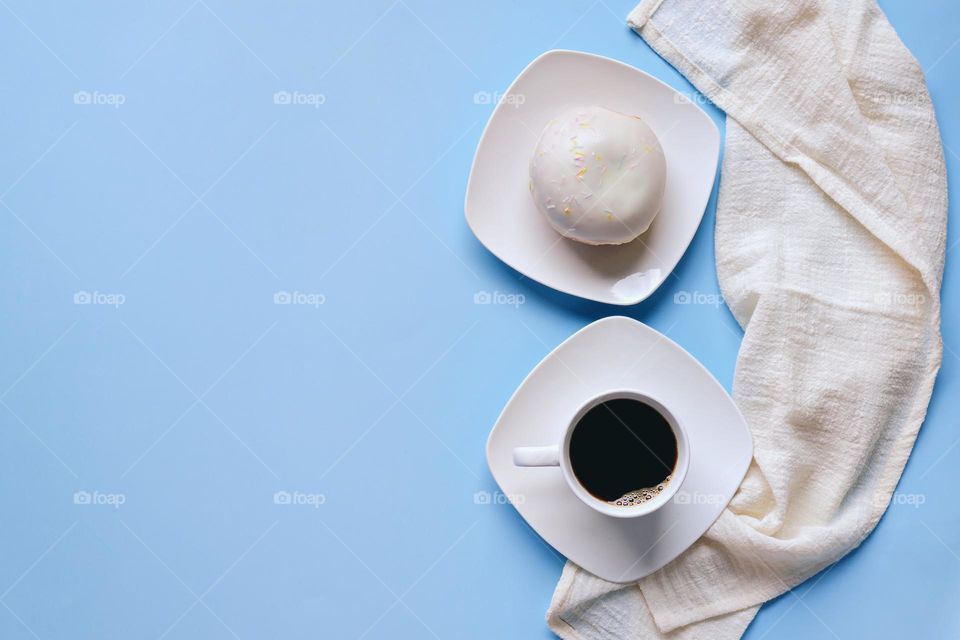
(197, 399)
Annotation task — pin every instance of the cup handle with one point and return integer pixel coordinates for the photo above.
(548, 456)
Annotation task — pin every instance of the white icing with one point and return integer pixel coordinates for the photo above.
(598, 175)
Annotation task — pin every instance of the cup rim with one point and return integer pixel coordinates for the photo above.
(680, 469)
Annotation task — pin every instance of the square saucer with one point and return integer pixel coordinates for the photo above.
(502, 215)
(619, 352)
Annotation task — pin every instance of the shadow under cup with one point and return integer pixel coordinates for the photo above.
(624, 454)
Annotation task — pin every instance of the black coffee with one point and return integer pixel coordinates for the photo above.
(623, 451)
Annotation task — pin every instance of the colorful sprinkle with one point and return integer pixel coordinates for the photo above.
(566, 211)
(581, 173)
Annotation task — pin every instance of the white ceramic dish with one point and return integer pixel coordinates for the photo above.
(619, 352)
(502, 215)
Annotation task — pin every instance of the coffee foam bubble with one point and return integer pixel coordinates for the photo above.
(640, 496)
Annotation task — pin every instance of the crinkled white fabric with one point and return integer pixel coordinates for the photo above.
(830, 233)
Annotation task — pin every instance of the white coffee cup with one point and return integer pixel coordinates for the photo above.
(558, 455)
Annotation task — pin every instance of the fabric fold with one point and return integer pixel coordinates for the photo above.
(830, 236)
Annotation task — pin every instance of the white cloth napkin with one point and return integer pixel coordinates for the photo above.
(830, 242)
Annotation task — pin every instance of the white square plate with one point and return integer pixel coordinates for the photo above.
(502, 214)
(620, 353)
